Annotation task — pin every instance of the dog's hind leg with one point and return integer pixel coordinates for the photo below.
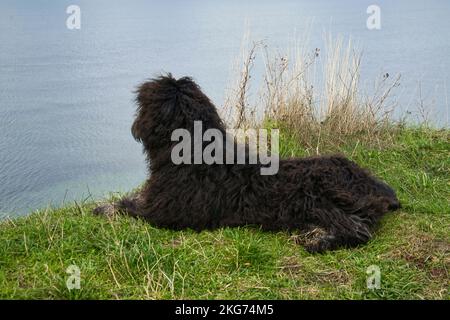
(372, 209)
(341, 230)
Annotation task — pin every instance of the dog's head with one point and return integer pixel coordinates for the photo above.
(166, 104)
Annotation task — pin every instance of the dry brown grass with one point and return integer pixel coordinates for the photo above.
(315, 95)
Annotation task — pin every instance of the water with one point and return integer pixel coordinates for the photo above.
(66, 96)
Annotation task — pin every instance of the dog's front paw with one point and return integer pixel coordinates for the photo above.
(107, 210)
(322, 244)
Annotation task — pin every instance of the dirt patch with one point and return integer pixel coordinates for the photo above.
(331, 276)
(439, 273)
(425, 252)
(291, 265)
(312, 274)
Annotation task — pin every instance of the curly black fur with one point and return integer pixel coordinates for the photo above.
(329, 192)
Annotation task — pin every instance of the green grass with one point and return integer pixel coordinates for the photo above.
(124, 258)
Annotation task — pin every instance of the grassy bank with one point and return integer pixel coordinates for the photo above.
(123, 258)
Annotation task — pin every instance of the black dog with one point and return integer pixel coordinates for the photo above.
(329, 193)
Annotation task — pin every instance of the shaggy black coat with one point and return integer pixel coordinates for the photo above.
(331, 193)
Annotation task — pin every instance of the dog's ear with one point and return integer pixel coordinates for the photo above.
(143, 99)
(137, 128)
(135, 131)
